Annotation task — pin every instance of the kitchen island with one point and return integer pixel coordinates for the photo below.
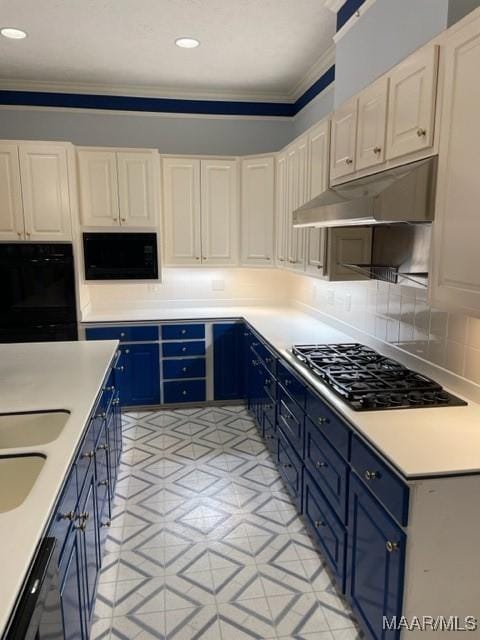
(62, 377)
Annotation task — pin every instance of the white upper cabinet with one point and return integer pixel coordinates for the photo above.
(118, 187)
(257, 211)
(181, 208)
(219, 201)
(372, 122)
(138, 178)
(344, 133)
(281, 210)
(11, 206)
(45, 192)
(98, 186)
(200, 211)
(411, 109)
(34, 191)
(455, 276)
(319, 154)
(295, 185)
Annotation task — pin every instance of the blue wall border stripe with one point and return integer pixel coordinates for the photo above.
(346, 11)
(165, 105)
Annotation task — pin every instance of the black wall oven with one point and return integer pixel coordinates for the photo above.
(37, 293)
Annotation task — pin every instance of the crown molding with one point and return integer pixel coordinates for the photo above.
(318, 68)
(352, 21)
(141, 91)
(334, 5)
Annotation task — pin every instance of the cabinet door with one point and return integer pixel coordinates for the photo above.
(455, 277)
(98, 186)
(181, 211)
(281, 210)
(297, 157)
(372, 121)
(142, 374)
(411, 109)
(375, 562)
(257, 211)
(45, 192)
(72, 592)
(227, 350)
(319, 156)
(348, 245)
(219, 202)
(344, 133)
(138, 175)
(11, 206)
(91, 543)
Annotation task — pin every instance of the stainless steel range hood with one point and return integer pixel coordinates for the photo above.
(402, 194)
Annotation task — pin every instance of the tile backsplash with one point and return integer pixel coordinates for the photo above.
(401, 316)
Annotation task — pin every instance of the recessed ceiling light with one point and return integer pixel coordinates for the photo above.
(13, 34)
(187, 43)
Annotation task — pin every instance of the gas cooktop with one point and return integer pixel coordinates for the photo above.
(368, 381)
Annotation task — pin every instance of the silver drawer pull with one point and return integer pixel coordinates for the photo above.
(371, 475)
(102, 447)
(320, 464)
(88, 454)
(70, 515)
(322, 420)
(85, 515)
(319, 523)
(287, 465)
(121, 368)
(107, 523)
(82, 526)
(103, 483)
(392, 546)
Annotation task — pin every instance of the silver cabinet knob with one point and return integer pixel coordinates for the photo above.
(377, 149)
(184, 393)
(287, 465)
(102, 447)
(103, 483)
(184, 331)
(319, 523)
(322, 420)
(184, 369)
(70, 515)
(184, 349)
(19, 234)
(320, 464)
(197, 257)
(123, 219)
(122, 334)
(85, 515)
(371, 475)
(81, 526)
(349, 161)
(392, 546)
(421, 132)
(204, 257)
(127, 351)
(88, 454)
(107, 523)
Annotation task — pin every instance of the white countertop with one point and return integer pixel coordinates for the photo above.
(44, 376)
(417, 442)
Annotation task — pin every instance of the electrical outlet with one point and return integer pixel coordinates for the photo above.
(331, 296)
(218, 285)
(348, 302)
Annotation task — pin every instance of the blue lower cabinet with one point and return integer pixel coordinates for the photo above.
(72, 592)
(102, 475)
(175, 392)
(89, 531)
(228, 361)
(291, 469)
(291, 420)
(65, 514)
(141, 375)
(270, 435)
(375, 562)
(332, 426)
(326, 528)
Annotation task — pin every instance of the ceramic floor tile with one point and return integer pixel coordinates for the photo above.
(205, 542)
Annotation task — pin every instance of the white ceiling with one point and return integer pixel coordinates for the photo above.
(249, 48)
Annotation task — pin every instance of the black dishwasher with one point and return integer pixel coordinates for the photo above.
(38, 615)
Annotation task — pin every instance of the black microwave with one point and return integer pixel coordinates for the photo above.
(120, 256)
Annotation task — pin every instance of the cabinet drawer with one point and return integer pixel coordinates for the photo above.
(188, 391)
(175, 349)
(124, 334)
(292, 385)
(180, 331)
(332, 427)
(184, 368)
(381, 480)
(327, 467)
(326, 527)
(262, 352)
(270, 385)
(291, 420)
(290, 467)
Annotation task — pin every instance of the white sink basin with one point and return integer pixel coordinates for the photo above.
(31, 429)
(18, 474)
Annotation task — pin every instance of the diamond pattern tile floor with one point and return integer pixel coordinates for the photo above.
(205, 543)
